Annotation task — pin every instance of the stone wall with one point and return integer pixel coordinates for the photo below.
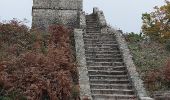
(46, 12)
(44, 17)
(58, 4)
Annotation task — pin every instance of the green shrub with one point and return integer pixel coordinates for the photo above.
(132, 37)
(167, 45)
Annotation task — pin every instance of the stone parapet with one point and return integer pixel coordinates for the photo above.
(133, 74)
(82, 20)
(82, 69)
(100, 17)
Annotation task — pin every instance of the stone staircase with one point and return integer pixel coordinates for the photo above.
(108, 76)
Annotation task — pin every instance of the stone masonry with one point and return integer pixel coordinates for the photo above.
(46, 12)
(106, 68)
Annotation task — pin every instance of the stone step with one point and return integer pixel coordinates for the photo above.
(108, 77)
(104, 56)
(111, 86)
(112, 91)
(103, 72)
(99, 34)
(101, 52)
(92, 27)
(104, 60)
(101, 45)
(91, 16)
(101, 48)
(109, 81)
(105, 64)
(113, 97)
(99, 38)
(110, 68)
(92, 31)
(93, 42)
(90, 22)
(91, 19)
(108, 35)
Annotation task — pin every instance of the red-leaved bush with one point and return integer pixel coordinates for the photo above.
(38, 75)
(167, 71)
(158, 78)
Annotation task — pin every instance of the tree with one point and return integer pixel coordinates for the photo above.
(156, 24)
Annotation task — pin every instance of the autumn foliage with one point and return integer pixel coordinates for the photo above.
(156, 24)
(42, 66)
(158, 78)
(167, 72)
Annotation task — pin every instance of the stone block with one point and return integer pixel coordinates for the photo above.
(162, 95)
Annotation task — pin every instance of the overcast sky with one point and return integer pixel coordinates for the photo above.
(123, 14)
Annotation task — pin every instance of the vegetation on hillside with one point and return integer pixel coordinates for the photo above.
(152, 60)
(36, 65)
(151, 49)
(156, 24)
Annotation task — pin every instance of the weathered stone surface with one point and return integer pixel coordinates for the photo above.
(47, 12)
(137, 82)
(100, 17)
(162, 95)
(82, 20)
(58, 4)
(44, 17)
(81, 60)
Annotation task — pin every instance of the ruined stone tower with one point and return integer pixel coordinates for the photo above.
(46, 12)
